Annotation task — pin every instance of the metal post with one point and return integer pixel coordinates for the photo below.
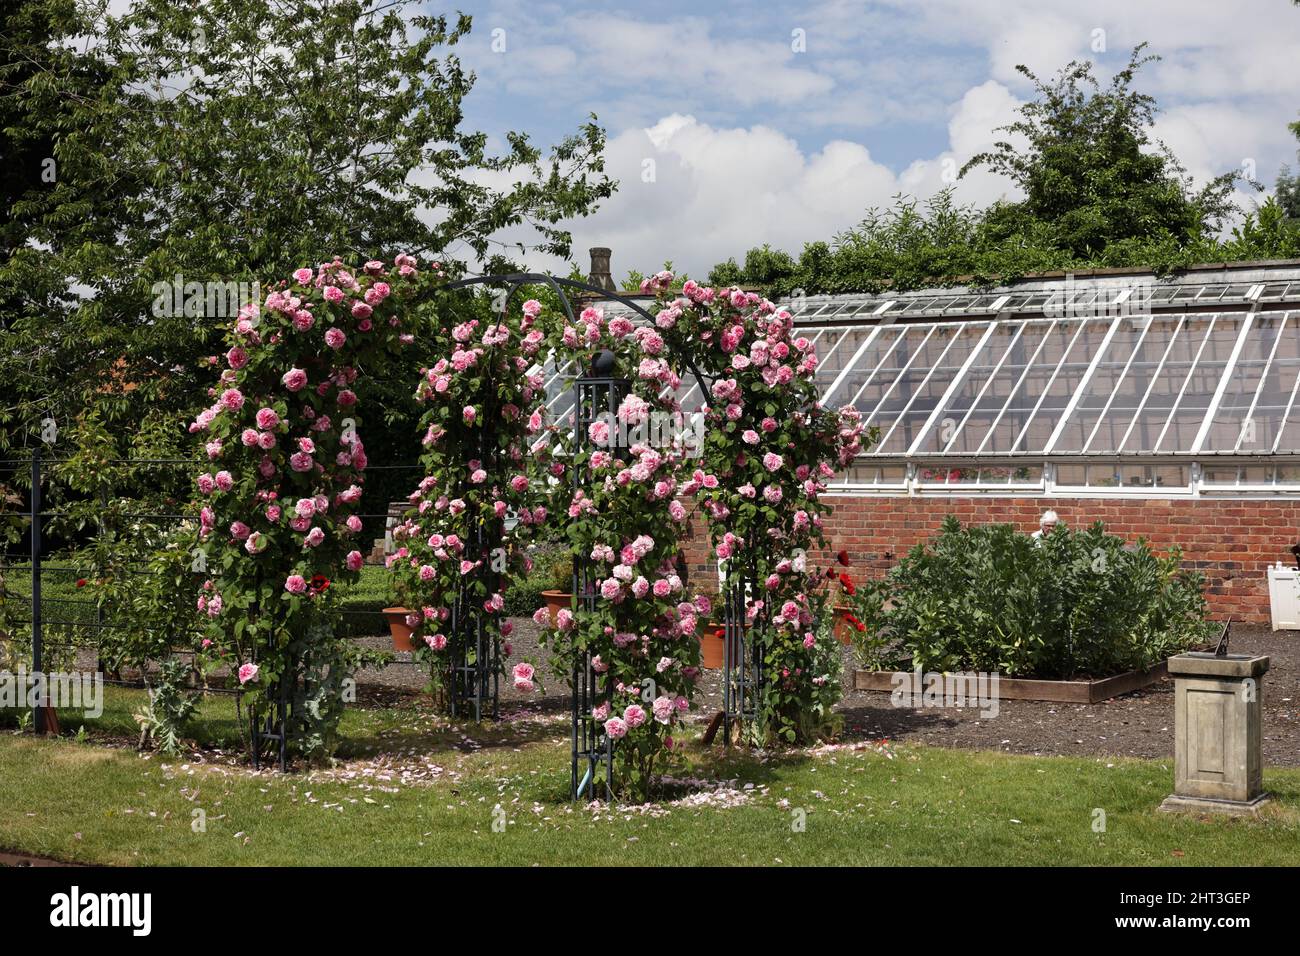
(38, 712)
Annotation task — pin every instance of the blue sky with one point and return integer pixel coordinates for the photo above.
(782, 123)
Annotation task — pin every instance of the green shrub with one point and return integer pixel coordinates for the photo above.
(1076, 603)
(363, 601)
(552, 571)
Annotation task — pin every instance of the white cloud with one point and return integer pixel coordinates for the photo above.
(756, 144)
(717, 192)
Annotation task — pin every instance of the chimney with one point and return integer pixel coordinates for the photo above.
(600, 276)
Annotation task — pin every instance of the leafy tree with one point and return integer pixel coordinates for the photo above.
(232, 141)
(1288, 185)
(1090, 170)
(1098, 192)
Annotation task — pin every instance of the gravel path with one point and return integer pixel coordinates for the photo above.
(1140, 724)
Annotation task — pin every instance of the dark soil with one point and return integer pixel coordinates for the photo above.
(1140, 724)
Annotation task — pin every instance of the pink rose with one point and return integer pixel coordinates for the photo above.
(294, 379)
(615, 728)
(295, 584)
(634, 716)
(247, 672)
(354, 561)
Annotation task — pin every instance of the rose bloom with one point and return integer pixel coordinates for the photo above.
(267, 418)
(634, 715)
(247, 672)
(616, 728)
(354, 561)
(294, 379)
(295, 584)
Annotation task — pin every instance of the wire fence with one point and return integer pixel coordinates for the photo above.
(45, 555)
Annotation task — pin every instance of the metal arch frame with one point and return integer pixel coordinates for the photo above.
(515, 280)
(591, 750)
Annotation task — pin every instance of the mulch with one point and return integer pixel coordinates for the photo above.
(1140, 724)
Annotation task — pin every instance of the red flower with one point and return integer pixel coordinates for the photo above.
(847, 584)
(843, 558)
(81, 582)
(319, 584)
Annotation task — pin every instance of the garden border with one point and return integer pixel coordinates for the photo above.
(1058, 691)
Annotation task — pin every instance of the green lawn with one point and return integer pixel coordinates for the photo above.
(413, 789)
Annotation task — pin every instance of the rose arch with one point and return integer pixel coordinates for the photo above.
(618, 476)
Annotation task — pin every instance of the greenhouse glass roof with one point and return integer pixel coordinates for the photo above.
(1115, 367)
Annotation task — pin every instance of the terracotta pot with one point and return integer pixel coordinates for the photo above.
(844, 630)
(713, 647)
(555, 600)
(396, 617)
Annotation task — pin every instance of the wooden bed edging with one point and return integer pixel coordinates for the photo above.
(1018, 688)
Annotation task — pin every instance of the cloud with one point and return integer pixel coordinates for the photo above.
(753, 142)
(698, 194)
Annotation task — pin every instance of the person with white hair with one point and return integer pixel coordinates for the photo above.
(1046, 523)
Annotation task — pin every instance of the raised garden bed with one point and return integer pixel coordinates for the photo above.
(1018, 688)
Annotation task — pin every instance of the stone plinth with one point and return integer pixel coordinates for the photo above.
(1217, 706)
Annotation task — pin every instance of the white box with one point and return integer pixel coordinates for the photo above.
(1284, 598)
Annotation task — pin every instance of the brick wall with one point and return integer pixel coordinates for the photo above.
(1230, 542)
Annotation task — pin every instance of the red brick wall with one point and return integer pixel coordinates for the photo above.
(1230, 542)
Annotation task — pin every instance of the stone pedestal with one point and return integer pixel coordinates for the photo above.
(1217, 706)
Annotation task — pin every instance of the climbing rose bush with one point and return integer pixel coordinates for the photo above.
(769, 450)
(278, 523)
(623, 513)
(486, 406)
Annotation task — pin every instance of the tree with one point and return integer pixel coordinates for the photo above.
(1090, 170)
(1098, 192)
(1288, 185)
(237, 140)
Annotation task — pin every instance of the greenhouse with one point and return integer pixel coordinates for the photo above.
(1098, 383)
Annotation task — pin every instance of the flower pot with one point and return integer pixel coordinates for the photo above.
(844, 628)
(396, 617)
(555, 601)
(713, 647)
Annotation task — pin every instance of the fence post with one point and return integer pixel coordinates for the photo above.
(38, 712)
